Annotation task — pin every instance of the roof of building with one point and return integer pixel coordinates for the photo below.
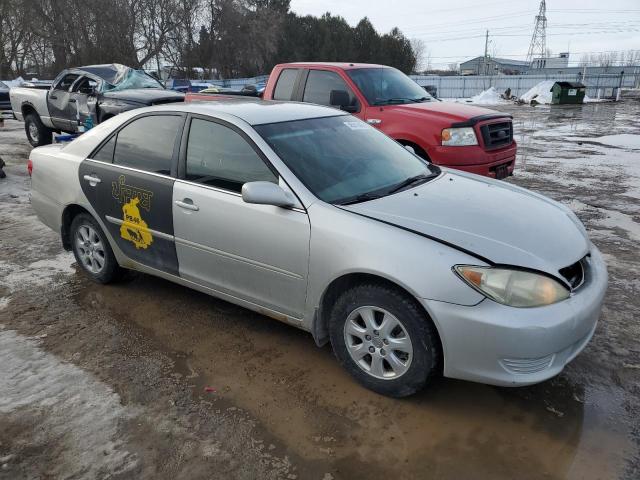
(503, 61)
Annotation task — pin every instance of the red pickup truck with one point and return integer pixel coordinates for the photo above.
(465, 137)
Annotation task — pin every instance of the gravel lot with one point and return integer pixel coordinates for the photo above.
(147, 379)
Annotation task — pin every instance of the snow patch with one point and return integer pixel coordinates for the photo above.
(488, 97)
(84, 423)
(622, 140)
(541, 93)
(39, 273)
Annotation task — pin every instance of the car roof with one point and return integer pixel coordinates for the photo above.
(109, 72)
(255, 111)
(343, 65)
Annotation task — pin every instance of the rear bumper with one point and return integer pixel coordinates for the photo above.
(500, 345)
(474, 159)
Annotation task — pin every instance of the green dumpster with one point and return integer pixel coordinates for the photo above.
(567, 93)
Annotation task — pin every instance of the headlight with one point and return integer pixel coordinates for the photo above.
(516, 288)
(458, 137)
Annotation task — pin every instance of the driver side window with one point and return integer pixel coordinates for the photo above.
(85, 86)
(320, 84)
(221, 157)
(65, 82)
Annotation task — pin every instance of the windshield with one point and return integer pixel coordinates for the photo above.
(385, 86)
(343, 160)
(134, 79)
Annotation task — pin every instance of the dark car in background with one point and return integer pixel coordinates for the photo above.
(5, 102)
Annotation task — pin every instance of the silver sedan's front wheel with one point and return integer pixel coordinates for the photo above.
(378, 342)
(384, 339)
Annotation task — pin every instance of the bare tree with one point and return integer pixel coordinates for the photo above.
(422, 53)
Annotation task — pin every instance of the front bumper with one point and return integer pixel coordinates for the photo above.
(474, 158)
(500, 345)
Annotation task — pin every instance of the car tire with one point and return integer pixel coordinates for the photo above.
(385, 304)
(92, 250)
(37, 133)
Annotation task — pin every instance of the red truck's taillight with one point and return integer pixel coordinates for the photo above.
(30, 167)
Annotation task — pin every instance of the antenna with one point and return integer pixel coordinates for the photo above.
(538, 44)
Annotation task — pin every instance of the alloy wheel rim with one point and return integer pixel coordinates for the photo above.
(90, 249)
(33, 132)
(378, 342)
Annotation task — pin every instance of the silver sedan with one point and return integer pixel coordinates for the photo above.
(312, 217)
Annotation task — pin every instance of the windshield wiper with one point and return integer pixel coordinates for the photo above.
(363, 197)
(389, 101)
(416, 179)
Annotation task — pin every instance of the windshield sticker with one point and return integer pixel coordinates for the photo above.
(133, 227)
(356, 125)
(125, 193)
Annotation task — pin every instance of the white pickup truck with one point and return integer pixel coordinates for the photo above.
(98, 92)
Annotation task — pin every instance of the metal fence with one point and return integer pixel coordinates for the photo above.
(468, 86)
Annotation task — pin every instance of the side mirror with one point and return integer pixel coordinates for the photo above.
(340, 99)
(267, 193)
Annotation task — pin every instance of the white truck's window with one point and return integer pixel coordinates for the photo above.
(86, 86)
(285, 84)
(319, 86)
(220, 157)
(147, 143)
(65, 82)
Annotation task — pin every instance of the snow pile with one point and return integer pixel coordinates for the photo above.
(488, 97)
(14, 83)
(541, 93)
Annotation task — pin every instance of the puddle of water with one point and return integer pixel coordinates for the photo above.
(301, 396)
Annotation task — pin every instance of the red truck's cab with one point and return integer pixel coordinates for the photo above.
(476, 140)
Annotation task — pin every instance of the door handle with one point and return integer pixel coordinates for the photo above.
(93, 180)
(187, 204)
(72, 100)
(53, 96)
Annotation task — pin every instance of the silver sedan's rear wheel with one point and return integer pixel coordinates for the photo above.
(90, 248)
(378, 342)
(384, 339)
(92, 251)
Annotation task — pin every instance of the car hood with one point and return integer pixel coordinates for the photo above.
(146, 96)
(494, 220)
(445, 112)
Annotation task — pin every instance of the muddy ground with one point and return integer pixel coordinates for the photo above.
(147, 379)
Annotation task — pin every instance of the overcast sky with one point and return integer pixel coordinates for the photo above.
(455, 31)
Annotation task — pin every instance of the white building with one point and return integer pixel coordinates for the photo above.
(561, 61)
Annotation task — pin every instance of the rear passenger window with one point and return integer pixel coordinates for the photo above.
(105, 152)
(220, 157)
(319, 86)
(285, 84)
(147, 143)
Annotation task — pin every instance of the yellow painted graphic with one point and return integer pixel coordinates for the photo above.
(124, 193)
(134, 228)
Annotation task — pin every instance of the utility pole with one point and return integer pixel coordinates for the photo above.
(486, 54)
(538, 45)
